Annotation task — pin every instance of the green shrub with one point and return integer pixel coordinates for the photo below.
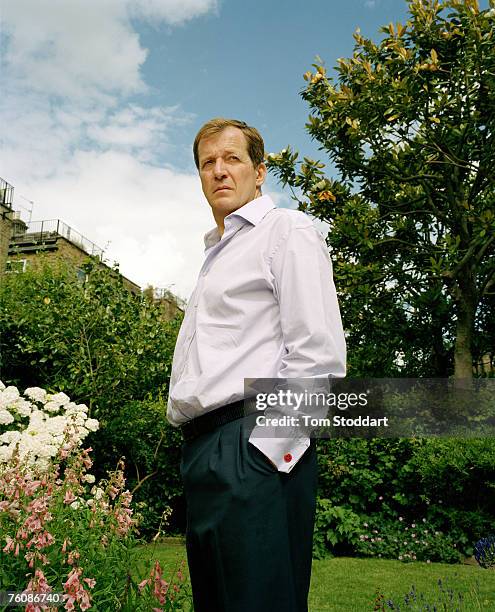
(140, 432)
(94, 340)
(444, 485)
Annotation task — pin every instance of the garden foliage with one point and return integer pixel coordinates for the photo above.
(104, 346)
(408, 499)
(408, 122)
(62, 533)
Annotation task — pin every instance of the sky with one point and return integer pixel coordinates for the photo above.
(101, 101)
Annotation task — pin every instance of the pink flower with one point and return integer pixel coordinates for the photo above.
(72, 557)
(69, 497)
(161, 586)
(76, 591)
(10, 544)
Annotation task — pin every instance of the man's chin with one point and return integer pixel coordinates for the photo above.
(225, 205)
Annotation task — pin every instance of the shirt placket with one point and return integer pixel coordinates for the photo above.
(211, 254)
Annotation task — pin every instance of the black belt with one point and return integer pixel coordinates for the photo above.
(213, 419)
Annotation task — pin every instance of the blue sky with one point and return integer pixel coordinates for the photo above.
(247, 59)
(101, 100)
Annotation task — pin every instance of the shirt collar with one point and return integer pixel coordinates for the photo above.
(253, 212)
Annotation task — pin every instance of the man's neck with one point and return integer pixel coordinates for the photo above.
(220, 219)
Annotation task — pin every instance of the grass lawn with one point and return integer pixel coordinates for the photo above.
(347, 585)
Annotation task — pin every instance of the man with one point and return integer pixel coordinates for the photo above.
(264, 307)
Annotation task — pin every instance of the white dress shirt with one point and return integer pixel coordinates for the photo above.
(264, 306)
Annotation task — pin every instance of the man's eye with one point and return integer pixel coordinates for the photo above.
(234, 157)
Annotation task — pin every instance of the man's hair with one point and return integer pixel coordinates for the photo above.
(255, 145)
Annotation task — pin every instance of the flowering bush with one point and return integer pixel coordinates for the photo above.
(60, 532)
(484, 552)
(444, 596)
(405, 541)
(36, 425)
(447, 481)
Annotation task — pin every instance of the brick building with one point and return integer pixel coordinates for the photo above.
(6, 221)
(29, 245)
(52, 240)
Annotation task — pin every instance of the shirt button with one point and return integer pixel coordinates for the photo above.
(287, 457)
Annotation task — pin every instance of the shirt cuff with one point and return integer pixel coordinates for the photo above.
(283, 452)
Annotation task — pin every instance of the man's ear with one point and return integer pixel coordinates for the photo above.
(260, 174)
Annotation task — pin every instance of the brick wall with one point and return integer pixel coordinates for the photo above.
(60, 251)
(5, 234)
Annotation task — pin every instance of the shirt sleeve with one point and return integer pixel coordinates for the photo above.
(311, 326)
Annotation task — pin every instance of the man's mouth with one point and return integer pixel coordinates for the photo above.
(223, 188)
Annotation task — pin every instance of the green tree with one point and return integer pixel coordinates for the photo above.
(409, 123)
(93, 339)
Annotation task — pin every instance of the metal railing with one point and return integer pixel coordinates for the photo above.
(163, 293)
(6, 193)
(41, 231)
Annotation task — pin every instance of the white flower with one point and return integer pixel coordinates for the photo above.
(491, 13)
(83, 432)
(39, 440)
(2, 386)
(51, 406)
(22, 407)
(8, 395)
(10, 437)
(61, 398)
(89, 478)
(5, 417)
(75, 504)
(5, 454)
(92, 424)
(36, 393)
(99, 493)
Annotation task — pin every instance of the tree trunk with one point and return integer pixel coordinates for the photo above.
(466, 303)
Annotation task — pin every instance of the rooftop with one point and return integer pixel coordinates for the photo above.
(43, 233)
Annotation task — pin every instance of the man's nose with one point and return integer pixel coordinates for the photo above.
(220, 170)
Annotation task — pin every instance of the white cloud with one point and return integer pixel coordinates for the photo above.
(153, 218)
(172, 11)
(78, 49)
(84, 48)
(77, 146)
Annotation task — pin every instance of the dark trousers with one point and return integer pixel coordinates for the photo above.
(249, 526)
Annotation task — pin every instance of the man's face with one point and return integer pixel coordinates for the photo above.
(227, 174)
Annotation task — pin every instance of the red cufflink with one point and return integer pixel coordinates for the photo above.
(287, 457)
